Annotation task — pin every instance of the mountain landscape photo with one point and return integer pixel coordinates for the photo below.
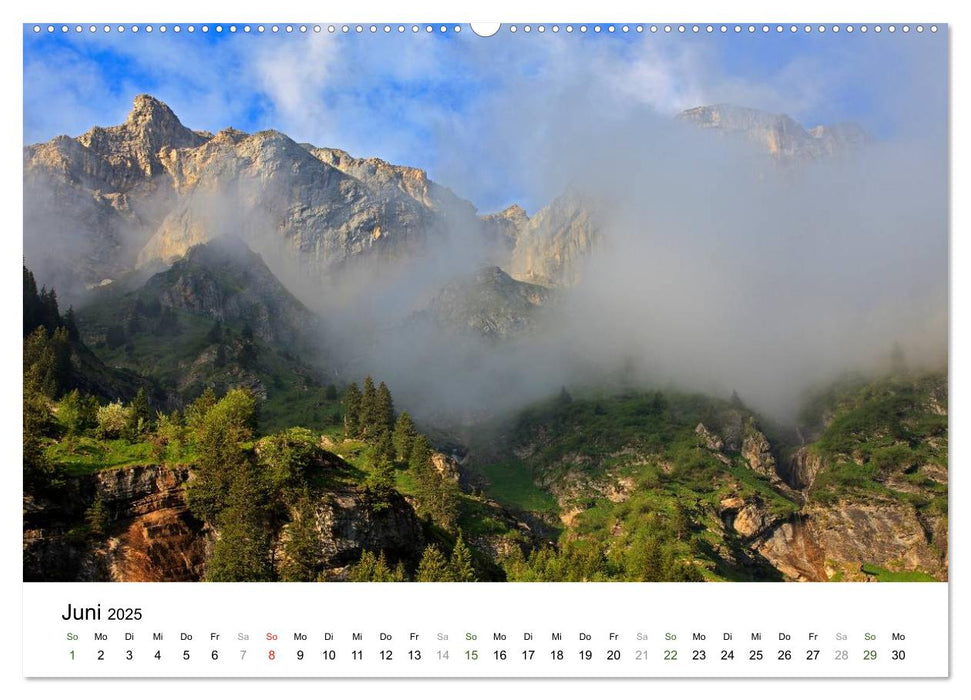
(641, 338)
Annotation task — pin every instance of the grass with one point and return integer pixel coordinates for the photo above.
(511, 483)
(86, 455)
(308, 407)
(888, 576)
(478, 519)
(882, 430)
(779, 505)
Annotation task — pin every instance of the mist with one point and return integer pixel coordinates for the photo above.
(718, 268)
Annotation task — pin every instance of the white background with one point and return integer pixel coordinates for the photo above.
(494, 10)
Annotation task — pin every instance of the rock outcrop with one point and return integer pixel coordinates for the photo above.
(492, 304)
(836, 541)
(150, 533)
(446, 466)
(348, 525)
(757, 451)
(144, 192)
(778, 135)
(225, 281)
(803, 465)
(148, 190)
(550, 247)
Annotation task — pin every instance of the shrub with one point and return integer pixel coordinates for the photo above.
(112, 420)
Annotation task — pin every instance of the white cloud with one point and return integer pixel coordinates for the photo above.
(295, 75)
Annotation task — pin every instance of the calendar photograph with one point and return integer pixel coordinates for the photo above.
(531, 303)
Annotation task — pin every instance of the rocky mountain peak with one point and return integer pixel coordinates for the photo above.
(492, 274)
(135, 145)
(779, 135)
(513, 212)
(225, 280)
(491, 304)
(734, 118)
(149, 110)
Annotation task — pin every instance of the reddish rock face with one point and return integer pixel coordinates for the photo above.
(152, 536)
(164, 545)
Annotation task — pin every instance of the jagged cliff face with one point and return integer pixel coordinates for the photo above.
(778, 135)
(152, 536)
(144, 192)
(225, 281)
(384, 178)
(872, 483)
(148, 190)
(283, 199)
(91, 203)
(348, 527)
(861, 494)
(549, 248)
(835, 541)
(492, 304)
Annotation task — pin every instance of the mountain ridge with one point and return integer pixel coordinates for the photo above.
(143, 192)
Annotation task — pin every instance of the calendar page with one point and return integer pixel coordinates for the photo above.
(515, 350)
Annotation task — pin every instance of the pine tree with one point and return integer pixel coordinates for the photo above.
(380, 481)
(31, 303)
(96, 518)
(421, 453)
(367, 422)
(433, 566)
(38, 469)
(384, 448)
(47, 361)
(288, 457)
(302, 548)
(199, 408)
(242, 552)
(363, 571)
(399, 572)
(424, 474)
(50, 316)
(70, 322)
(383, 410)
(219, 455)
(248, 352)
(77, 413)
(445, 502)
(461, 561)
(438, 497)
(352, 411)
(140, 416)
(681, 523)
(404, 437)
(215, 334)
(373, 568)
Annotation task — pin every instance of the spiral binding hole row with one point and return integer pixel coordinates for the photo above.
(512, 28)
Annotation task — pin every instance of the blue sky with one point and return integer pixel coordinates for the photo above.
(478, 113)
